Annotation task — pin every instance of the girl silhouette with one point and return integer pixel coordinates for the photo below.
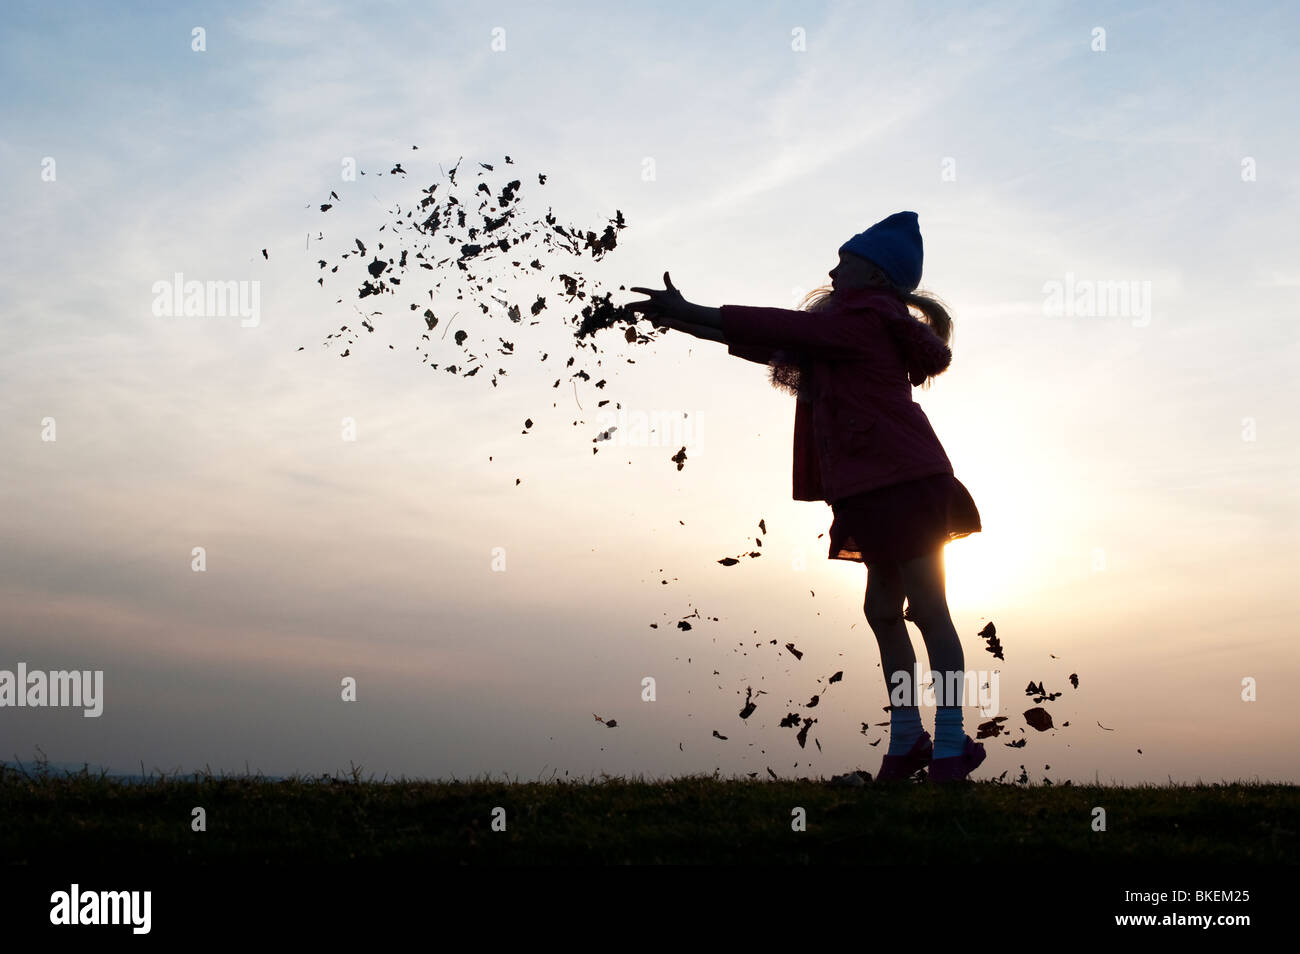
(852, 356)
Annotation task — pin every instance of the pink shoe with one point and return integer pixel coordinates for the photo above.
(896, 768)
(955, 768)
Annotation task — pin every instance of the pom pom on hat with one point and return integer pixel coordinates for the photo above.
(893, 243)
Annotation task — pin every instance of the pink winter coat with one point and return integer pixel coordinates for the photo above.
(861, 430)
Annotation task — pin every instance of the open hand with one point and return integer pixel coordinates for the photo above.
(666, 307)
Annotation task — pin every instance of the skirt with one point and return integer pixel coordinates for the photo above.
(905, 520)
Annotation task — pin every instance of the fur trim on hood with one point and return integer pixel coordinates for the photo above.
(785, 372)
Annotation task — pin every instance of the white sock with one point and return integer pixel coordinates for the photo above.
(904, 729)
(949, 736)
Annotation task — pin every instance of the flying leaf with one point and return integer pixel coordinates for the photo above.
(1039, 718)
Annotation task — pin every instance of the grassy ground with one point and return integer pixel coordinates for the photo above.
(685, 820)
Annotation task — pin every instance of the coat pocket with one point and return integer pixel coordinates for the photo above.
(859, 431)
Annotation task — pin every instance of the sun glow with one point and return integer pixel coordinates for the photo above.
(994, 566)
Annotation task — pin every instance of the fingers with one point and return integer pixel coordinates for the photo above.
(668, 287)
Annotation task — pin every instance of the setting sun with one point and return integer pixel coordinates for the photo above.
(995, 566)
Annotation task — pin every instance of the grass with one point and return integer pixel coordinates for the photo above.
(615, 820)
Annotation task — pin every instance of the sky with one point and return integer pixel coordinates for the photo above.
(1135, 472)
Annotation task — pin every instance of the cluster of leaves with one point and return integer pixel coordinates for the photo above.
(1036, 717)
(799, 717)
(797, 712)
(460, 245)
(758, 542)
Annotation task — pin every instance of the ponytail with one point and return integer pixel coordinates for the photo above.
(933, 311)
(935, 314)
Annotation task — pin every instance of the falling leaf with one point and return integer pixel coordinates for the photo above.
(1039, 718)
(1040, 694)
(990, 634)
(750, 706)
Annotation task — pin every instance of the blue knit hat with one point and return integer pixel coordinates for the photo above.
(895, 245)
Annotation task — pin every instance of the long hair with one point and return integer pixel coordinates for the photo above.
(792, 373)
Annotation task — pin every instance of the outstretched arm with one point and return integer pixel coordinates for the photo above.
(700, 331)
(698, 321)
(757, 333)
(668, 308)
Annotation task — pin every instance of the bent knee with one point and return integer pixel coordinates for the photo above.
(883, 613)
(927, 612)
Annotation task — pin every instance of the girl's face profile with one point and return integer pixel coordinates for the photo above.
(853, 271)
